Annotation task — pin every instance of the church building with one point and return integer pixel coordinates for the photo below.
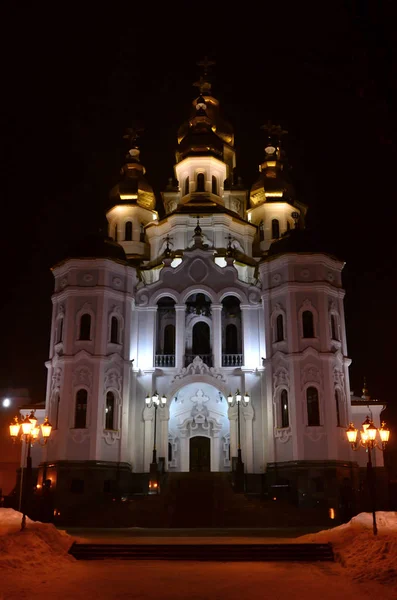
(209, 339)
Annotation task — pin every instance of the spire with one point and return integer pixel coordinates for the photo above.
(131, 135)
(365, 390)
(274, 135)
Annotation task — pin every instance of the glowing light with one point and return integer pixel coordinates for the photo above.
(274, 194)
(331, 513)
(46, 428)
(155, 216)
(6, 402)
(128, 196)
(351, 433)
(384, 433)
(26, 426)
(220, 261)
(14, 428)
(271, 163)
(249, 217)
(176, 262)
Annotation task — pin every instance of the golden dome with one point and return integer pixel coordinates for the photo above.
(133, 188)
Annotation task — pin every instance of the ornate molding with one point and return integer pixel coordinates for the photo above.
(56, 380)
(315, 434)
(82, 376)
(311, 374)
(110, 436)
(112, 379)
(79, 435)
(281, 378)
(282, 434)
(198, 367)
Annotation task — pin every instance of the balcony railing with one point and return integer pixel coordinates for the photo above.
(206, 358)
(164, 360)
(232, 360)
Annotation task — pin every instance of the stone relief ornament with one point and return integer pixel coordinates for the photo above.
(276, 278)
(330, 276)
(61, 310)
(339, 378)
(332, 306)
(63, 283)
(198, 367)
(282, 435)
(79, 435)
(56, 380)
(310, 374)
(112, 380)
(82, 376)
(88, 277)
(281, 377)
(110, 437)
(117, 282)
(305, 273)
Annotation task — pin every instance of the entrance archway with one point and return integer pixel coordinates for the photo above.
(200, 454)
(199, 429)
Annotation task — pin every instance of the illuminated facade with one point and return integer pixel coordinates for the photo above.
(226, 291)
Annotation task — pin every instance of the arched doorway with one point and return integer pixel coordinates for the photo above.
(200, 454)
(201, 339)
(199, 429)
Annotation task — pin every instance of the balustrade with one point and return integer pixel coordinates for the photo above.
(164, 360)
(232, 360)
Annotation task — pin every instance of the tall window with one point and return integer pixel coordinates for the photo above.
(60, 330)
(200, 183)
(142, 233)
(334, 328)
(231, 339)
(80, 415)
(308, 324)
(337, 405)
(279, 328)
(187, 187)
(114, 330)
(214, 185)
(275, 229)
(55, 418)
(169, 339)
(313, 407)
(85, 327)
(169, 452)
(284, 408)
(128, 231)
(109, 411)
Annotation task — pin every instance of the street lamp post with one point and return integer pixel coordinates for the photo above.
(28, 432)
(369, 442)
(237, 399)
(154, 401)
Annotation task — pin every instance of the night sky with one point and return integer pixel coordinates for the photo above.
(74, 81)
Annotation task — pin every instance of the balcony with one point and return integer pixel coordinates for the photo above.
(164, 360)
(232, 360)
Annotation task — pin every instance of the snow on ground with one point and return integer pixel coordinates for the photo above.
(35, 562)
(366, 556)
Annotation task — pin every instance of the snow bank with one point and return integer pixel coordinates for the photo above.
(39, 545)
(366, 556)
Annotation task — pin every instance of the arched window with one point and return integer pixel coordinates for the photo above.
(109, 411)
(275, 229)
(80, 414)
(308, 324)
(115, 233)
(214, 185)
(284, 414)
(200, 183)
(142, 233)
(55, 418)
(60, 330)
(261, 232)
(187, 186)
(169, 452)
(201, 339)
(279, 328)
(313, 407)
(337, 405)
(85, 327)
(169, 339)
(128, 231)
(114, 330)
(334, 328)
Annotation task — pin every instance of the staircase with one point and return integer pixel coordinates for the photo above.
(205, 552)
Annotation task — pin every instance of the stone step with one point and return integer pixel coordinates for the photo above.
(205, 552)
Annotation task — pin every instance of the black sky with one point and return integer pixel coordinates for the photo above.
(73, 81)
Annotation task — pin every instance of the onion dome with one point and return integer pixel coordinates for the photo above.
(133, 188)
(96, 245)
(200, 138)
(273, 184)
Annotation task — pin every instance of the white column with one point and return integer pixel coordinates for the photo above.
(180, 312)
(215, 452)
(250, 336)
(217, 334)
(247, 414)
(148, 418)
(184, 454)
(232, 415)
(163, 417)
